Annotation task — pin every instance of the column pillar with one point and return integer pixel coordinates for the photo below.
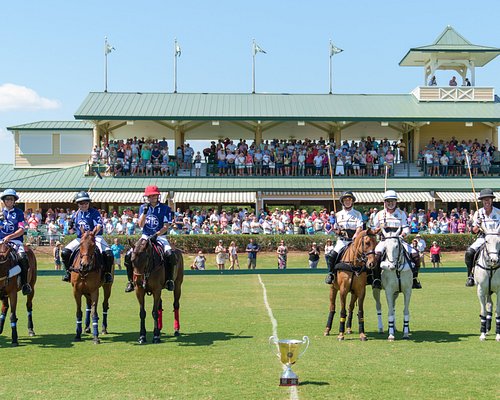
(179, 136)
(337, 136)
(96, 135)
(331, 133)
(416, 142)
(258, 134)
(494, 136)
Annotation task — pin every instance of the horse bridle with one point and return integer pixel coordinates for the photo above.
(362, 256)
(488, 253)
(399, 251)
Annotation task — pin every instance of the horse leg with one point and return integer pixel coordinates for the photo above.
(350, 313)
(390, 314)
(331, 314)
(483, 298)
(13, 316)
(78, 299)
(160, 314)
(94, 298)
(156, 304)
(489, 313)
(497, 337)
(361, 314)
(3, 315)
(88, 309)
(105, 308)
(378, 307)
(343, 314)
(139, 292)
(177, 296)
(29, 311)
(406, 315)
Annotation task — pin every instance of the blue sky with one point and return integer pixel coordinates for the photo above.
(52, 51)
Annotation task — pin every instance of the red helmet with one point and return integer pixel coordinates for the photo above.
(151, 190)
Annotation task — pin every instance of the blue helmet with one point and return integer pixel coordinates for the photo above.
(82, 196)
(9, 192)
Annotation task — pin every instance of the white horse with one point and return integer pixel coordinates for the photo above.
(488, 281)
(397, 277)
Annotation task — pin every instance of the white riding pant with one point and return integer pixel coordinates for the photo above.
(99, 241)
(18, 245)
(164, 242)
(341, 243)
(477, 244)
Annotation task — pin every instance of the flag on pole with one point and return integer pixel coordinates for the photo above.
(108, 48)
(257, 49)
(177, 50)
(334, 49)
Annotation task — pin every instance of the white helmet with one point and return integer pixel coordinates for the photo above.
(390, 195)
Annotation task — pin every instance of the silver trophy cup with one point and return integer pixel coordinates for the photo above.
(288, 353)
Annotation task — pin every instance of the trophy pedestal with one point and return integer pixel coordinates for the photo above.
(289, 378)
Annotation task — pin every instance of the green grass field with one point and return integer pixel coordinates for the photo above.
(223, 352)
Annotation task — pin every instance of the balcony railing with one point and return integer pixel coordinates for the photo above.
(454, 94)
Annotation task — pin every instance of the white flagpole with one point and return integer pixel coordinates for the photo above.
(176, 53)
(253, 65)
(330, 70)
(105, 63)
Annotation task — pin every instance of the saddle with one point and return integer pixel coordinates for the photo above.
(158, 254)
(98, 257)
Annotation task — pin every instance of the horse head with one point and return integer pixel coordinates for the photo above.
(5, 258)
(368, 244)
(87, 250)
(394, 254)
(492, 247)
(140, 255)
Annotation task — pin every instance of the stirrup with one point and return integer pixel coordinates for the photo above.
(470, 281)
(66, 277)
(330, 278)
(130, 287)
(169, 285)
(377, 284)
(27, 289)
(108, 278)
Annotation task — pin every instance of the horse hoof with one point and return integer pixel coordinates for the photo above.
(497, 338)
(177, 333)
(77, 339)
(349, 332)
(482, 338)
(104, 331)
(340, 338)
(142, 340)
(31, 333)
(156, 340)
(380, 330)
(363, 338)
(97, 340)
(406, 338)
(391, 338)
(87, 330)
(326, 333)
(15, 344)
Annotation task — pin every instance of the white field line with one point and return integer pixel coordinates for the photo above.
(294, 393)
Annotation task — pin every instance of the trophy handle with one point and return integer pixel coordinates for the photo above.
(305, 340)
(273, 341)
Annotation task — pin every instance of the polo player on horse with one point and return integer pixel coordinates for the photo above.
(87, 219)
(154, 220)
(348, 224)
(12, 231)
(488, 216)
(392, 218)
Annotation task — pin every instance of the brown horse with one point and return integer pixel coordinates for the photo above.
(149, 277)
(9, 288)
(351, 273)
(86, 279)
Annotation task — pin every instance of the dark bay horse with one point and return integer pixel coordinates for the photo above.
(86, 279)
(9, 288)
(351, 274)
(149, 277)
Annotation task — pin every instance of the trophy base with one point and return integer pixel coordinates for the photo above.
(289, 381)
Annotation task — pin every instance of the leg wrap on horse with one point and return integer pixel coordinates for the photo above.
(66, 259)
(415, 258)
(469, 261)
(127, 262)
(108, 260)
(24, 264)
(377, 272)
(332, 261)
(170, 261)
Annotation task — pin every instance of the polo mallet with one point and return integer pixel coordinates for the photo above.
(331, 179)
(97, 175)
(385, 178)
(470, 176)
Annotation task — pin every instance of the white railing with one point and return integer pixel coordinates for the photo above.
(457, 93)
